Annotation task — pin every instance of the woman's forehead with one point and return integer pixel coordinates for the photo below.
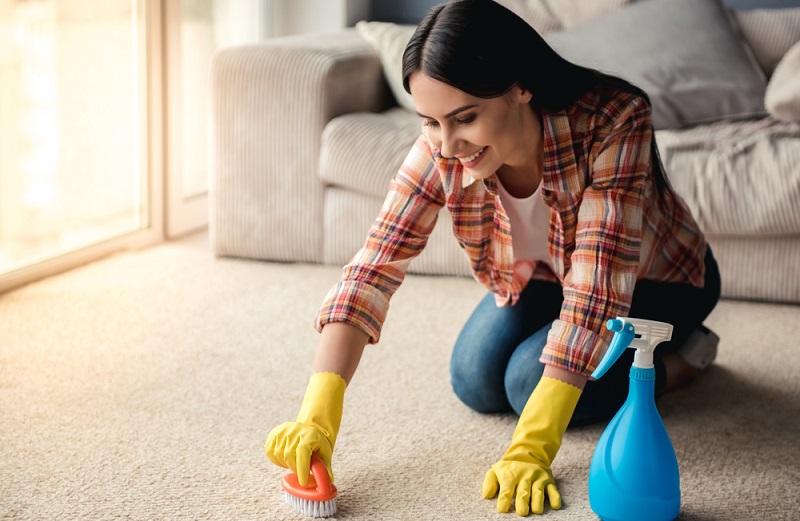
(434, 97)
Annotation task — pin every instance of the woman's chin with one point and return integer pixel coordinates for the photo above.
(478, 174)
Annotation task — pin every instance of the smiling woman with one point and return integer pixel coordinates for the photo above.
(499, 134)
(557, 195)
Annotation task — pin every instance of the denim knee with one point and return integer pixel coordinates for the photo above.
(520, 384)
(478, 386)
(525, 370)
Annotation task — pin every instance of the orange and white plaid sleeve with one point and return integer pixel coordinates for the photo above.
(608, 240)
(397, 236)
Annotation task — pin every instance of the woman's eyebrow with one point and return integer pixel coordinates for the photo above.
(451, 113)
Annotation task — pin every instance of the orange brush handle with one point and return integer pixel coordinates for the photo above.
(319, 486)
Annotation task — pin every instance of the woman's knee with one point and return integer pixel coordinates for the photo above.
(525, 370)
(479, 359)
(478, 384)
(520, 381)
(490, 338)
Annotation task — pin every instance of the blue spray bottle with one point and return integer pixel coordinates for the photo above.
(634, 472)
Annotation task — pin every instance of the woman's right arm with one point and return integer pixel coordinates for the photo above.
(340, 348)
(355, 308)
(291, 444)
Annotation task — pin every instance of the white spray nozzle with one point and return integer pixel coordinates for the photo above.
(638, 333)
(649, 333)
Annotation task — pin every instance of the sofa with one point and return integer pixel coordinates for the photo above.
(308, 130)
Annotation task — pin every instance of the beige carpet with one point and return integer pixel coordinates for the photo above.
(143, 387)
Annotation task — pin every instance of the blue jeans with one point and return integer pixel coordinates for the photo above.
(495, 363)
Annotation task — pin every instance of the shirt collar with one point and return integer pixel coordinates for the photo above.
(560, 172)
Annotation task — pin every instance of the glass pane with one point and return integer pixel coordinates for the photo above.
(206, 26)
(71, 173)
(197, 47)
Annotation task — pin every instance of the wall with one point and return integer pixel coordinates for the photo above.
(309, 16)
(401, 11)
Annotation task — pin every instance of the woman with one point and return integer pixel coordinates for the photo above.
(559, 199)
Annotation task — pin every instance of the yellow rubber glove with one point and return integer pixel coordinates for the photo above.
(291, 444)
(525, 467)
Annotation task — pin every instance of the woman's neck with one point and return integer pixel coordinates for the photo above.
(520, 177)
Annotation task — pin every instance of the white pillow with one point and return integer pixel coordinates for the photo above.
(783, 90)
(389, 40)
(769, 33)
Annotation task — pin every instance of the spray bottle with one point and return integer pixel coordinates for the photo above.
(634, 472)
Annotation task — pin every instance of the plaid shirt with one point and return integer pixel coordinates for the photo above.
(608, 229)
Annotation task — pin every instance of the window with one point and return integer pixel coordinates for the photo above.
(74, 132)
(104, 124)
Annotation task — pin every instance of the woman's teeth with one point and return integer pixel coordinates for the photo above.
(473, 156)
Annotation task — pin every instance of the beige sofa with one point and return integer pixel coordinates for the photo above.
(307, 135)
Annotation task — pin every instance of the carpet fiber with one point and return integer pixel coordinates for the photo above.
(143, 386)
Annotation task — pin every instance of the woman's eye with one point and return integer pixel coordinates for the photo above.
(430, 123)
(466, 120)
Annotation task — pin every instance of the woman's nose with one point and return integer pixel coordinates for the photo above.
(450, 144)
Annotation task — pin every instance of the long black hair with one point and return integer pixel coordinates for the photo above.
(484, 49)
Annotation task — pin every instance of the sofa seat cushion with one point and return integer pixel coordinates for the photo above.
(363, 151)
(348, 217)
(738, 178)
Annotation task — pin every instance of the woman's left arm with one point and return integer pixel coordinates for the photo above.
(599, 286)
(608, 237)
(575, 379)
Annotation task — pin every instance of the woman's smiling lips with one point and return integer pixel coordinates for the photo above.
(471, 161)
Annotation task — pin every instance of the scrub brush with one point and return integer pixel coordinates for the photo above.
(318, 498)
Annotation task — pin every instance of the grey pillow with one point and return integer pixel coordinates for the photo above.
(553, 15)
(685, 54)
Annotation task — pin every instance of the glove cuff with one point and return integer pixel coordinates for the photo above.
(556, 398)
(323, 404)
(545, 418)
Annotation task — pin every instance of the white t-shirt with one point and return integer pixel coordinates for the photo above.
(530, 224)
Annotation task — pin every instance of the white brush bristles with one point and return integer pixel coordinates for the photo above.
(311, 508)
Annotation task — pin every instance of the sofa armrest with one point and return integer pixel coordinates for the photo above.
(269, 104)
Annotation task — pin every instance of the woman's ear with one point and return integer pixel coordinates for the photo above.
(523, 94)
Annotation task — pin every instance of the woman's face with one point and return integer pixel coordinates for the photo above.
(484, 134)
